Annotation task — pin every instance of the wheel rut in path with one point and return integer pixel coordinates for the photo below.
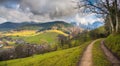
(110, 56)
(86, 59)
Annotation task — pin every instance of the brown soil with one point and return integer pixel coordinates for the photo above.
(86, 59)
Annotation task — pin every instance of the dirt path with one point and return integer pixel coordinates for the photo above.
(110, 56)
(86, 59)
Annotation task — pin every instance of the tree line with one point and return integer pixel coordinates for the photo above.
(24, 50)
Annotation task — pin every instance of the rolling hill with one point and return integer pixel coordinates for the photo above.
(88, 26)
(20, 33)
(49, 36)
(11, 26)
(68, 57)
(33, 25)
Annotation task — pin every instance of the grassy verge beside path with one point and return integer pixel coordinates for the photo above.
(99, 58)
(68, 57)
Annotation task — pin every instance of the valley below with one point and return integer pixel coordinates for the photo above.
(59, 32)
(57, 47)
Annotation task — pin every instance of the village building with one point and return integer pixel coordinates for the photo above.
(1, 44)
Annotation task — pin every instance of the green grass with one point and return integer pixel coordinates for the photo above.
(113, 43)
(99, 59)
(68, 57)
(48, 37)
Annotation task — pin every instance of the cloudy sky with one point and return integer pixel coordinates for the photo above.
(43, 11)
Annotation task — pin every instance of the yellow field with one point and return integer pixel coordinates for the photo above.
(57, 31)
(31, 33)
(21, 33)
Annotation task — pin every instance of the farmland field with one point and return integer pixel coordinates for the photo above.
(48, 36)
(21, 33)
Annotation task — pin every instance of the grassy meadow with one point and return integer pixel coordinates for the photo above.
(68, 57)
(48, 36)
(113, 43)
(99, 58)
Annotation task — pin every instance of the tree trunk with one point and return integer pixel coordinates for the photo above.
(117, 24)
(116, 16)
(111, 24)
(110, 16)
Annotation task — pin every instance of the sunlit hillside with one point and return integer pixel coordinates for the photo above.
(31, 33)
(68, 57)
(57, 31)
(49, 36)
(21, 33)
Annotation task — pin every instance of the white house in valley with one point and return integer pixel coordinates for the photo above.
(1, 44)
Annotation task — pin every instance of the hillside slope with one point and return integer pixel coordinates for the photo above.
(48, 36)
(68, 57)
(113, 43)
(33, 25)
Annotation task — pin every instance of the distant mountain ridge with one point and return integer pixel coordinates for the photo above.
(89, 26)
(32, 25)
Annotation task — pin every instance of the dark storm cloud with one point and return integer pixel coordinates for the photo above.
(53, 8)
(46, 8)
(37, 10)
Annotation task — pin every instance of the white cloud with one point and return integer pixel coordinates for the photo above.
(54, 8)
(2, 20)
(16, 15)
(13, 15)
(45, 10)
(38, 10)
(90, 18)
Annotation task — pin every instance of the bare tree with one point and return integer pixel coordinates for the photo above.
(109, 8)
